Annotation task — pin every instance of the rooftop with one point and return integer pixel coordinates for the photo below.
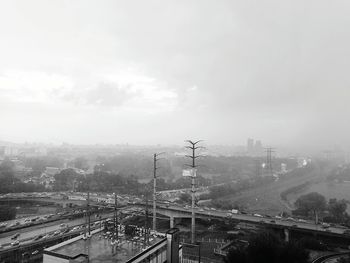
(102, 248)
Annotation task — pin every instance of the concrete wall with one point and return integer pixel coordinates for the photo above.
(53, 259)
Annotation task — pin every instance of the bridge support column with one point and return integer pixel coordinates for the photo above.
(286, 234)
(173, 239)
(172, 220)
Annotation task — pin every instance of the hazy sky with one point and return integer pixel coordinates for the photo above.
(148, 72)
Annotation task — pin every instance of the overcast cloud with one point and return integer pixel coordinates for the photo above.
(149, 72)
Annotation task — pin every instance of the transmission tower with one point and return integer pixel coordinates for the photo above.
(269, 167)
(193, 146)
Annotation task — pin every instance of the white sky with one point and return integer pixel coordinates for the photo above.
(149, 72)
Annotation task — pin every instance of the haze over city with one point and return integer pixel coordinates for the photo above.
(174, 131)
(155, 72)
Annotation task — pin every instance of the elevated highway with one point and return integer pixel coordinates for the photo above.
(287, 226)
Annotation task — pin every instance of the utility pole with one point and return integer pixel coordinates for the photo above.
(88, 206)
(155, 159)
(146, 226)
(146, 237)
(269, 152)
(193, 147)
(116, 215)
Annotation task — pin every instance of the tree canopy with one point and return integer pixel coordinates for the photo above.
(337, 209)
(7, 213)
(267, 247)
(311, 202)
(9, 183)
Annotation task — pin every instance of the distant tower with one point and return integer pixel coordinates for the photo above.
(268, 166)
(258, 147)
(250, 146)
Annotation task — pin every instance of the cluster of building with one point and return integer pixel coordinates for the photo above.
(254, 148)
(23, 150)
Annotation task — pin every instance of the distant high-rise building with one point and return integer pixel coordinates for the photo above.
(11, 151)
(250, 146)
(254, 149)
(258, 148)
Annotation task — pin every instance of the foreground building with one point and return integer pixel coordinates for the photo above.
(99, 249)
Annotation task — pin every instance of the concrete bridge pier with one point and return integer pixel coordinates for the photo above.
(286, 234)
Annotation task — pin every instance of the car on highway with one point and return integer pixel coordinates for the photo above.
(325, 225)
(38, 237)
(65, 231)
(257, 215)
(15, 236)
(35, 252)
(15, 243)
(302, 220)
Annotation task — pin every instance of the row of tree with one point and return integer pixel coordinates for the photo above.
(141, 165)
(11, 184)
(106, 181)
(315, 204)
